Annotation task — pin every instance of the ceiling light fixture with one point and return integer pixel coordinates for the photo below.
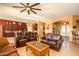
(28, 7)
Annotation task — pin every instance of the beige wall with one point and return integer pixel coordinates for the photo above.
(40, 29)
(66, 19)
(75, 17)
(76, 23)
(0, 30)
(72, 23)
(29, 26)
(48, 26)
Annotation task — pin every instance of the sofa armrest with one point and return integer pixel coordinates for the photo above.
(3, 54)
(7, 50)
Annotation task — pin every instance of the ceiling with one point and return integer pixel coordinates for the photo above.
(49, 11)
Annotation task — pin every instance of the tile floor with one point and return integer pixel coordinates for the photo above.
(68, 49)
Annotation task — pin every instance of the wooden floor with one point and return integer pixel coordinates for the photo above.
(67, 49)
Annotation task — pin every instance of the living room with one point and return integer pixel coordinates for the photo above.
(39, 29)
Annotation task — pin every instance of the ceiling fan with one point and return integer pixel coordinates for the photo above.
(27, 7)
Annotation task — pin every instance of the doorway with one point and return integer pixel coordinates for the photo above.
(64, 30)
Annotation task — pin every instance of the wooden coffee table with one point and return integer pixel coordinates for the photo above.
(38, 48)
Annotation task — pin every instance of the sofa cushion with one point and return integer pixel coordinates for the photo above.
(3, 42)
(3, 54)
(56, 37)
(44, 40)
(52, 42)
(47, 36)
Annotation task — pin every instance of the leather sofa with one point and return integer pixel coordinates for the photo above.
(6, 48)
(31, 36)
(54, 40)
(21, 40)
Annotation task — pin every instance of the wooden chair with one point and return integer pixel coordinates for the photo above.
(75, 36)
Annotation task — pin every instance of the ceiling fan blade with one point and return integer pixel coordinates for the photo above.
(28, 12)
(17, 7)
(27, 4)
(35, 4)
(36, 9)
(23, 10)
(33, 11)
(23, 4)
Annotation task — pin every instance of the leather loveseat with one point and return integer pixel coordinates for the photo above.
(54, 40)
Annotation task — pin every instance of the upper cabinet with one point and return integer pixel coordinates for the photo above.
(9, 27)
